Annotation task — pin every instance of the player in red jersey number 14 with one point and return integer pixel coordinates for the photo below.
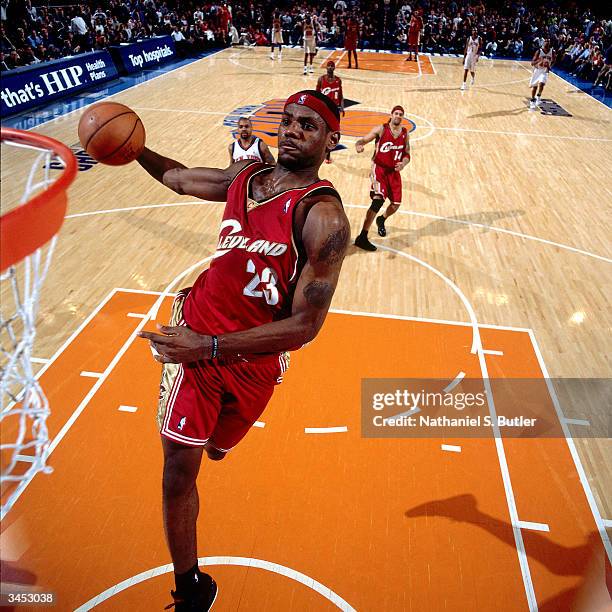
(391, 156)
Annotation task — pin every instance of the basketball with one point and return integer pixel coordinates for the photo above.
(111, 133)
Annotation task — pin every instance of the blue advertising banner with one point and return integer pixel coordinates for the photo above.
(30, 86)
(148, 53)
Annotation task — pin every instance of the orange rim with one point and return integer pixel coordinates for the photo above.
(26, 228)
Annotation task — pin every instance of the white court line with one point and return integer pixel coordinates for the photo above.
(141, 291)
(323, 430)
(380, 315)
(577, 422)
(124, 408)
(497, 437)
(143, 207)
(136, 315)
(501, 230)
(534, 526)
(249, 562)
(492, 228)
(87, 374)
(451, 385)
(531, 135)
(523, 66)
(578, 90)
(180, 110)
(451, 448)
(326, 58)
(572, 448)
(489, 352)
(79, 409)
(39, 360)
(74, 334)
(82, 108)
(433, 66)
(476, 340)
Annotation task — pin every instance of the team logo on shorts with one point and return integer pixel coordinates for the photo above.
(266, 118)
(181, 424)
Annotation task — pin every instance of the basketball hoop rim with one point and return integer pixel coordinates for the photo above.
(28, 227)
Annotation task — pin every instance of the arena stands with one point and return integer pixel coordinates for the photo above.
(582, 39)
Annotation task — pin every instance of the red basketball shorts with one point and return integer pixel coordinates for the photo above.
(387, 183)
(217, 401)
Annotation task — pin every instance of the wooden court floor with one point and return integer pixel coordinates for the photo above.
(503, 233)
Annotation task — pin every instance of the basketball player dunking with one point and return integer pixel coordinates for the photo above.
(310, 44)
(281, 245)
(391, 156)
(331, 86)
(543, 59)
(247, 146)
(470, 56)
(277, 36)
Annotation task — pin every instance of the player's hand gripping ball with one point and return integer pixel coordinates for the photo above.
(111, 133)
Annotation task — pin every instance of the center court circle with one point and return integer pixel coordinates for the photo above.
(241, 561)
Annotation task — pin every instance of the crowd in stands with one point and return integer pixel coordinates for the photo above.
(510, 28)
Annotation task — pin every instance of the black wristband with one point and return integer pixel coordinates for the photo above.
(214, 350)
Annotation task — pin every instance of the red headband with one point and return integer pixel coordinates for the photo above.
(398, 107)
(317, 106)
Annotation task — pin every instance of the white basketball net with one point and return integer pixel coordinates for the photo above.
(24, 408)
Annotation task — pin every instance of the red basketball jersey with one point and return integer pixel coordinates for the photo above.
(389, 150)
(352, 32)
(332, 89)
(416, 24)
(255, 268)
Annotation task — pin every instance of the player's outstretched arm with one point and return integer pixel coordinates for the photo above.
(369, 137)
(205, 183)
(325, 238)
(266, 154)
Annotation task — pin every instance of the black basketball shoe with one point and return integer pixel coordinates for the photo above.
(380, 224)
(363, 243)
(200, 599)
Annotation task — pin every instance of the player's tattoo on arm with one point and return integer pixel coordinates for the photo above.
(318, 294)
(334, 246)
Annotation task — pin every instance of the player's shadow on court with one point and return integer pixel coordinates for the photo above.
(449, 225)
(500, 113)
(558, 559)
(196, 243)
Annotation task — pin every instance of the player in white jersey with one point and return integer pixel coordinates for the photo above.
(310, 43)
(247, 146)
(470, 56)
(541, 62)
(277, 36)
